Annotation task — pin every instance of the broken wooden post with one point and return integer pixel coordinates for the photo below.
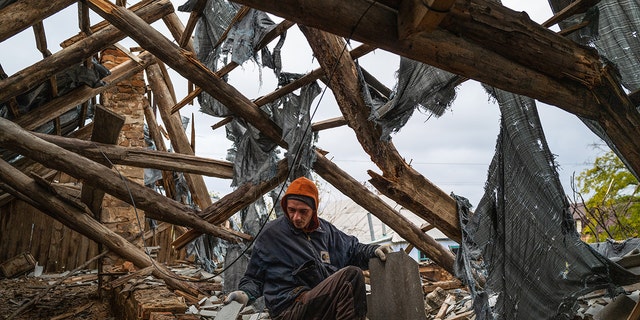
(396, 290)
(366, 199)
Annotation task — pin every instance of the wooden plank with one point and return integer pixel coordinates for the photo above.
(576, 7)
(328, 124)
(23, 14)
(635, 313)
(106, 129)
(418, 16)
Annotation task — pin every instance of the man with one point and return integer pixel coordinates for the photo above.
(304, 266)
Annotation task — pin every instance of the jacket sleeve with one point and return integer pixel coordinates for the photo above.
(252, 282)
(355, 253)
(361, 254)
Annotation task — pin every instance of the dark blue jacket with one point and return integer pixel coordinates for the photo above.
(287, 261)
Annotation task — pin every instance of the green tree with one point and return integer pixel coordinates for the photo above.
(613, 208)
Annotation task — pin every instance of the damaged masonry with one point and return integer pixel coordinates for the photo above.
(106, 210)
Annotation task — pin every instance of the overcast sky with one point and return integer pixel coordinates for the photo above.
(452, 151)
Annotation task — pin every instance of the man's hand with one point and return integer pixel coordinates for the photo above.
(382, 252)
(238, 296)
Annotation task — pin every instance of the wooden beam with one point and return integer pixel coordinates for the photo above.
(314, 75)
(154, 132)
(188, 66)
(100, 25)
(22, 14)
(106, 129)
(467, 44)
(233, 202)
(143, 158)
(328, 124)
(178, 137)
(60, 105)
(176, 28)
(576, 7)
(73, 217)
(194, 16)
(434, 205)
(416, 16)
(372, 203)
(38, 72)
(154, 204)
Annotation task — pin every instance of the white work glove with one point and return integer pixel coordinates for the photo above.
(382, 251)
(238, 296)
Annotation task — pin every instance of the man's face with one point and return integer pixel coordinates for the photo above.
(299, 213)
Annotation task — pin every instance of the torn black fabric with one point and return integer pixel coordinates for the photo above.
(419, 85)
(521, 239)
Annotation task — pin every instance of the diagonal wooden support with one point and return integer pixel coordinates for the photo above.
(419, 16)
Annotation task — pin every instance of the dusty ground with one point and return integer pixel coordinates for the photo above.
(73, 300)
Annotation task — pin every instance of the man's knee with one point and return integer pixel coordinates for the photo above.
(352, 272)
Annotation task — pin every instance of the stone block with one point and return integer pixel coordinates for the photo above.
(396, 289)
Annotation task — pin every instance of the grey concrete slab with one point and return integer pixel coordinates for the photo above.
(230, 311)
(396, 289)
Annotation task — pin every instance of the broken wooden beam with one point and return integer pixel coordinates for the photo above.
(156, 206)
(106, 129)
(75, 218)
(431, 203)
(144, 158)
(372, 203)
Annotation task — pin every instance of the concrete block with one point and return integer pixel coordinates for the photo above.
(230, 311)
(396, 289)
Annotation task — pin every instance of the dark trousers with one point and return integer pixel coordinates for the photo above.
(342, 296)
